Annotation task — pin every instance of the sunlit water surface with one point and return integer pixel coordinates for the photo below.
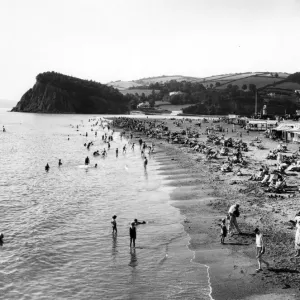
(58, 239)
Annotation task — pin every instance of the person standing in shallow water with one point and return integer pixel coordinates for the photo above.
(114, 224)
(132, 234)
(260, 249)
(47, 167)
(145, 162)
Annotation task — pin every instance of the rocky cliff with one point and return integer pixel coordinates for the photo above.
(58, 93)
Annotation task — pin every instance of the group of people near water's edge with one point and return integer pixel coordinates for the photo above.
(132, 229)
(107, 138)
(234, 213)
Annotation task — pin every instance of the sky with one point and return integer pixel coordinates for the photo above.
(109, 40)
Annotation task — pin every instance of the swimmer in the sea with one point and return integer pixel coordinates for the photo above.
(114, 224)
(136, 222)
(47, 167)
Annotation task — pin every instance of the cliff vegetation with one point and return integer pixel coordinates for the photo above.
(58, 93)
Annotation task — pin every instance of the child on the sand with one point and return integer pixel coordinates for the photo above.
(260, 249)
(223, 231)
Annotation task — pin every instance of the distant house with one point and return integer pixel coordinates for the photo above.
(143, 105)
(175, 93)
(288, 131)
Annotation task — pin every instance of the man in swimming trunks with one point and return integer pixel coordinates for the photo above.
(114, 224)
(132, 234)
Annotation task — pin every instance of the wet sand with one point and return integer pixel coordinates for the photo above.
(203, 194)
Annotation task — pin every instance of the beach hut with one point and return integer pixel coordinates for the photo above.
(295, 135)
(261, 125)
(233, 119)
(287, 131)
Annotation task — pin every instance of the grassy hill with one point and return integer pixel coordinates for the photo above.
(260, 79)
(219, 94)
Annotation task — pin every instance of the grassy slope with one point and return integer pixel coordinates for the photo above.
(138, 91)
(259, 78)
(259, 81)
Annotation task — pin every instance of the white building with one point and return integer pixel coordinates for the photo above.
(143, 105)
(258, 125)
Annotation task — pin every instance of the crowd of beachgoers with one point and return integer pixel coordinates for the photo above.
(223, 144)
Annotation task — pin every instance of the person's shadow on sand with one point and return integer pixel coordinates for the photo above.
(283, 270)
(236, 244)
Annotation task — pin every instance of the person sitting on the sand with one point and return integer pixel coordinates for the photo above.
(258, 176)
(272, 184)
(266, 178)
(226, 167)
(239, 173)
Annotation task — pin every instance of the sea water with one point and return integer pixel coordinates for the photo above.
(58, 240)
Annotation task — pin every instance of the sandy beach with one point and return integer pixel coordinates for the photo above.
(203, 194)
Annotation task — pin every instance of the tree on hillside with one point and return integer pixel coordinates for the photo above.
(211, 85)
(294, 77)
(252, 87)
(143, 97)
(218, 83)
(276, 75)
(244, 87)
(152, 102)
(229, 86)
